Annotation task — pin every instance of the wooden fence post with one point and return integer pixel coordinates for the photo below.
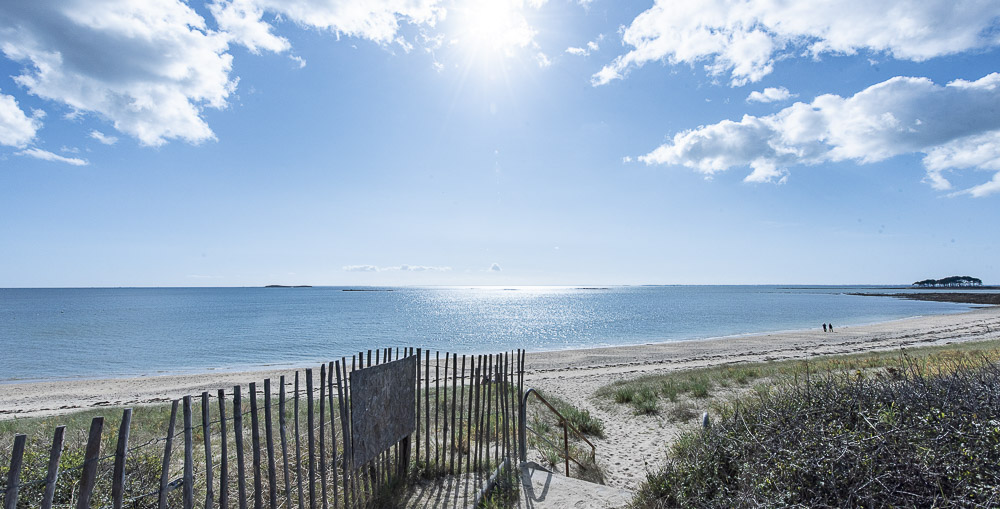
(417, 434)
(52, 475)
(118, 479)
(206, 428)
(298, 448)
(312, 439)
(344, 428)
(258, 494)
(188, 456)
(90, 461)
(333, 432)
(14, 474)
(272, 476)
(322, 434)
(460, 414)
(427, 406)
(284, 443)
(241, 470)
(224, 460)
(165, 469)
(454, 394)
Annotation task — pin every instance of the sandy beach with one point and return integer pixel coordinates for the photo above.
(633, 444)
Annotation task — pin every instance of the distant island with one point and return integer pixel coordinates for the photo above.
(950, 281)
(288, 286)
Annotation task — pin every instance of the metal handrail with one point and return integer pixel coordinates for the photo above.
(522, 424)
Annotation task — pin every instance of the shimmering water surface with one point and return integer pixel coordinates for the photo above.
(115, 332)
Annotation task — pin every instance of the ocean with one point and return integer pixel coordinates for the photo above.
(122, 332)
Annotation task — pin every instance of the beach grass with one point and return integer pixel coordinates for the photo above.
(914, 430)
(644, 394)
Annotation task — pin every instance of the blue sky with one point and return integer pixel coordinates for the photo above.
(250, 142)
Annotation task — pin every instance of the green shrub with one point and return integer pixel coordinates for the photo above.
(905, 438)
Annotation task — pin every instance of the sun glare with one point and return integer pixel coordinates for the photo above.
(493, 25)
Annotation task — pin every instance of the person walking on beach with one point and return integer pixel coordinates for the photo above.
(830, 326)
(824, 327)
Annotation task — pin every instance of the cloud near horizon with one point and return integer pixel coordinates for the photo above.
(744, 38)
(397, 268)
(955, 126)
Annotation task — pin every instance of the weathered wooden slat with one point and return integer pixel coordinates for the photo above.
(284, 443)
(90, 462)
(419, 431)
(344, 429)
(454, 394)
(188, 491)
(437, 407)
(470, 422)
(118, 477)
(206, 425)
(258, 488)
(52, 474)
(461, 428)
(442, 398)
(427, 406)
(14, 473)
(298, 448)
(224, 458)
(322, 434)
(165, 468)
(480, 411)
(310, 420)
(333, 432)
(272, 475)
(489, 411)
(241, 467)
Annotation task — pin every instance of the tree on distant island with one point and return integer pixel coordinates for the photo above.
(951, 281)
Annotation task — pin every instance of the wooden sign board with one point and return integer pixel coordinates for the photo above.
(382, 407)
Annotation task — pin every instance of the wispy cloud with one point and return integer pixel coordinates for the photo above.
(401, 268)
(45, 155)
(955, 126)
(744, 38)
(103, 138)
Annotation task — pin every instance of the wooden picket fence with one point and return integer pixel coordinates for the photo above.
(466, 425)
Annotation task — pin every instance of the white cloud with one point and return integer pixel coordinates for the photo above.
(955, 126)
(103, 138)
(744, 37)
(148, 67)
(151, 68)
(360, 268)
(375, 20)
(44, 155)
(241, 21)
(591, 46)
(543, 60)
(770, 95)
(399, 268)
(495, 267)
(16, 128)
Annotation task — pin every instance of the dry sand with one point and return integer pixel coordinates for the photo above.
(637, 444)
(633, 445)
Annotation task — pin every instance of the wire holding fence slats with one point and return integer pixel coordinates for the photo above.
(467, 424)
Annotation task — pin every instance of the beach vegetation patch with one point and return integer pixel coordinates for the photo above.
(925, 433)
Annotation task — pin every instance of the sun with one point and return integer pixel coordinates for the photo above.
(496, 26)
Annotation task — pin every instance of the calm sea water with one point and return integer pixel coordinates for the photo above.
(115, 332)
